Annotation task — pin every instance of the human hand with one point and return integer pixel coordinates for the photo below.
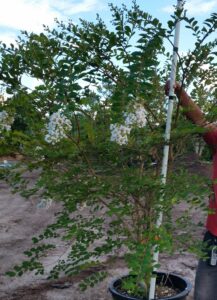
(167, 87)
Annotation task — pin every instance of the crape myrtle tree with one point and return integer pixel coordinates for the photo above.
(94, 127)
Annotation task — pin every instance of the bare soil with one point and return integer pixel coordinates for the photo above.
(21, 219)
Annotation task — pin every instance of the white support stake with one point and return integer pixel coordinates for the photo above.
(180, 4)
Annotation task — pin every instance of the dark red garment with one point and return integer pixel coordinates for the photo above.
(210, 138)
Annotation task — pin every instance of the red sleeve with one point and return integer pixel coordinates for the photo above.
(210, 137)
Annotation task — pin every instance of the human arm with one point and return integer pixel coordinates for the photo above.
(191, 109)
(195, 114)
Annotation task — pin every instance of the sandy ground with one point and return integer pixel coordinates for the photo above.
(21, 219)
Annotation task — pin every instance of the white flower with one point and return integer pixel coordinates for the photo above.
(138, 117)
(57, 128)
(5, 121)
(141, 115)
(119, 133)
(130, 119)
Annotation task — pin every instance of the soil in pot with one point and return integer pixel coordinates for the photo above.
(169, 286)
(165, 292)
(160, 292)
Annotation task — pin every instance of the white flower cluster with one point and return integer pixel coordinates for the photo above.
(5, 121)
(57, 128)
(119, 133)
(137, 117)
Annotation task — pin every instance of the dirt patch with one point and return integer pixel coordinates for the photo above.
(21, 219)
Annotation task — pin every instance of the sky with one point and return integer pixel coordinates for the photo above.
(30, 15)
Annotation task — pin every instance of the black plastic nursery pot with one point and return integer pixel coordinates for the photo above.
(169, 279)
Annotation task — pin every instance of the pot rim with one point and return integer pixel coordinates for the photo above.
(183, 293)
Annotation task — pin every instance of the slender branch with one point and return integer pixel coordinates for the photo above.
(78, 128)
(122, 221)
(91, 170)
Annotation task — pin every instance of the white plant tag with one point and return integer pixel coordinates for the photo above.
(213, 258)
